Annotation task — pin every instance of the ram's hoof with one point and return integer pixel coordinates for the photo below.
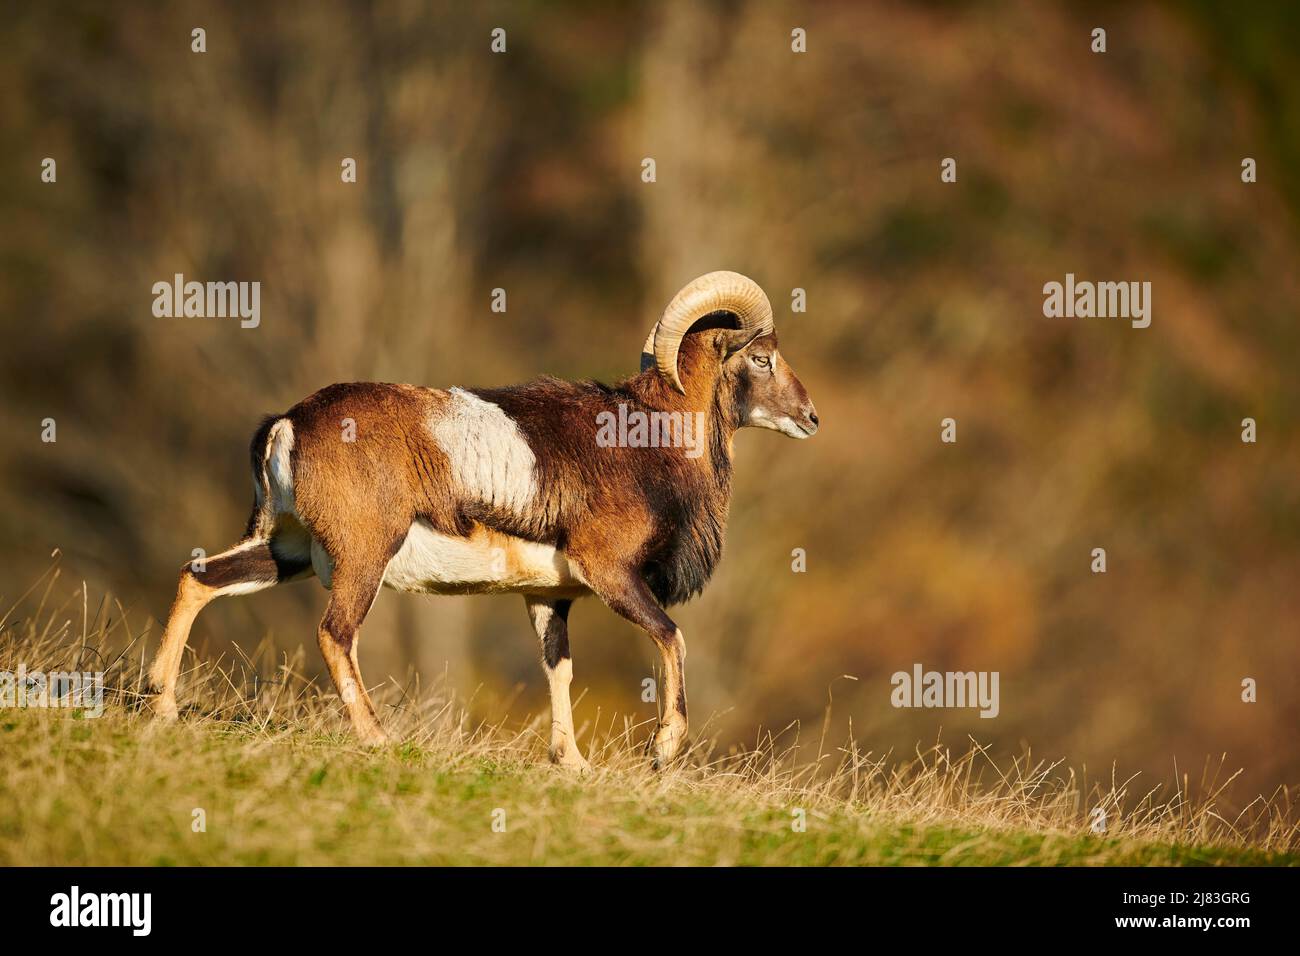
(666, 743)
(164, 709)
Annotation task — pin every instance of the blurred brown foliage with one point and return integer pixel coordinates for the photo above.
(818, 171)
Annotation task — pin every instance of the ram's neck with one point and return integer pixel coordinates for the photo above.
(708, 401)
(706, 388)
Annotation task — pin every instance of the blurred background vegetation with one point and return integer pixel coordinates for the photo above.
(818, 171)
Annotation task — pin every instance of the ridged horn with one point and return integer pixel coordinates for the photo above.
(714, 292)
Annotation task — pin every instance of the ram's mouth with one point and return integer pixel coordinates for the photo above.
(797, 429)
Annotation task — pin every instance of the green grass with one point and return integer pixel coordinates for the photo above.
(279, 781)
(119, 790)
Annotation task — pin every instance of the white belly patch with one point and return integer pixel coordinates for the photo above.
(486, 561)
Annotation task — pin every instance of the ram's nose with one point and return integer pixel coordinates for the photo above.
(810, 421)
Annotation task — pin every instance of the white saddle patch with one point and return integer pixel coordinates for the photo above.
(491, 461)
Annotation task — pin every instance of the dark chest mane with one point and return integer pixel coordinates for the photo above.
(679, 569)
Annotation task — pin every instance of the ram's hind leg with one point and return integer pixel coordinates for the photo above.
(252, 565)
(550, 621)
(353, 591)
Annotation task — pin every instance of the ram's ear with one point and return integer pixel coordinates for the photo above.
(733, 340)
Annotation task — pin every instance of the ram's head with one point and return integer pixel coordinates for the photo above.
(719, 329)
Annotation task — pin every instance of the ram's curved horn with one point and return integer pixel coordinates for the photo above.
(714, 292)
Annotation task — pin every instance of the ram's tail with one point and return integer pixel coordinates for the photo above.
(271, 456)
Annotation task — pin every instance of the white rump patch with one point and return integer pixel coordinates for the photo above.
(279, 470)
(490, 458)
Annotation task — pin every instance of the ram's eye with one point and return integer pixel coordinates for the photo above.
(762, 361)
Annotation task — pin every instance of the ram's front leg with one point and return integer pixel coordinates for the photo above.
(671, 732)
(627, 594)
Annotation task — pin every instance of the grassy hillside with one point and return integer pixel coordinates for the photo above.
(115, 791)
(272, 777)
